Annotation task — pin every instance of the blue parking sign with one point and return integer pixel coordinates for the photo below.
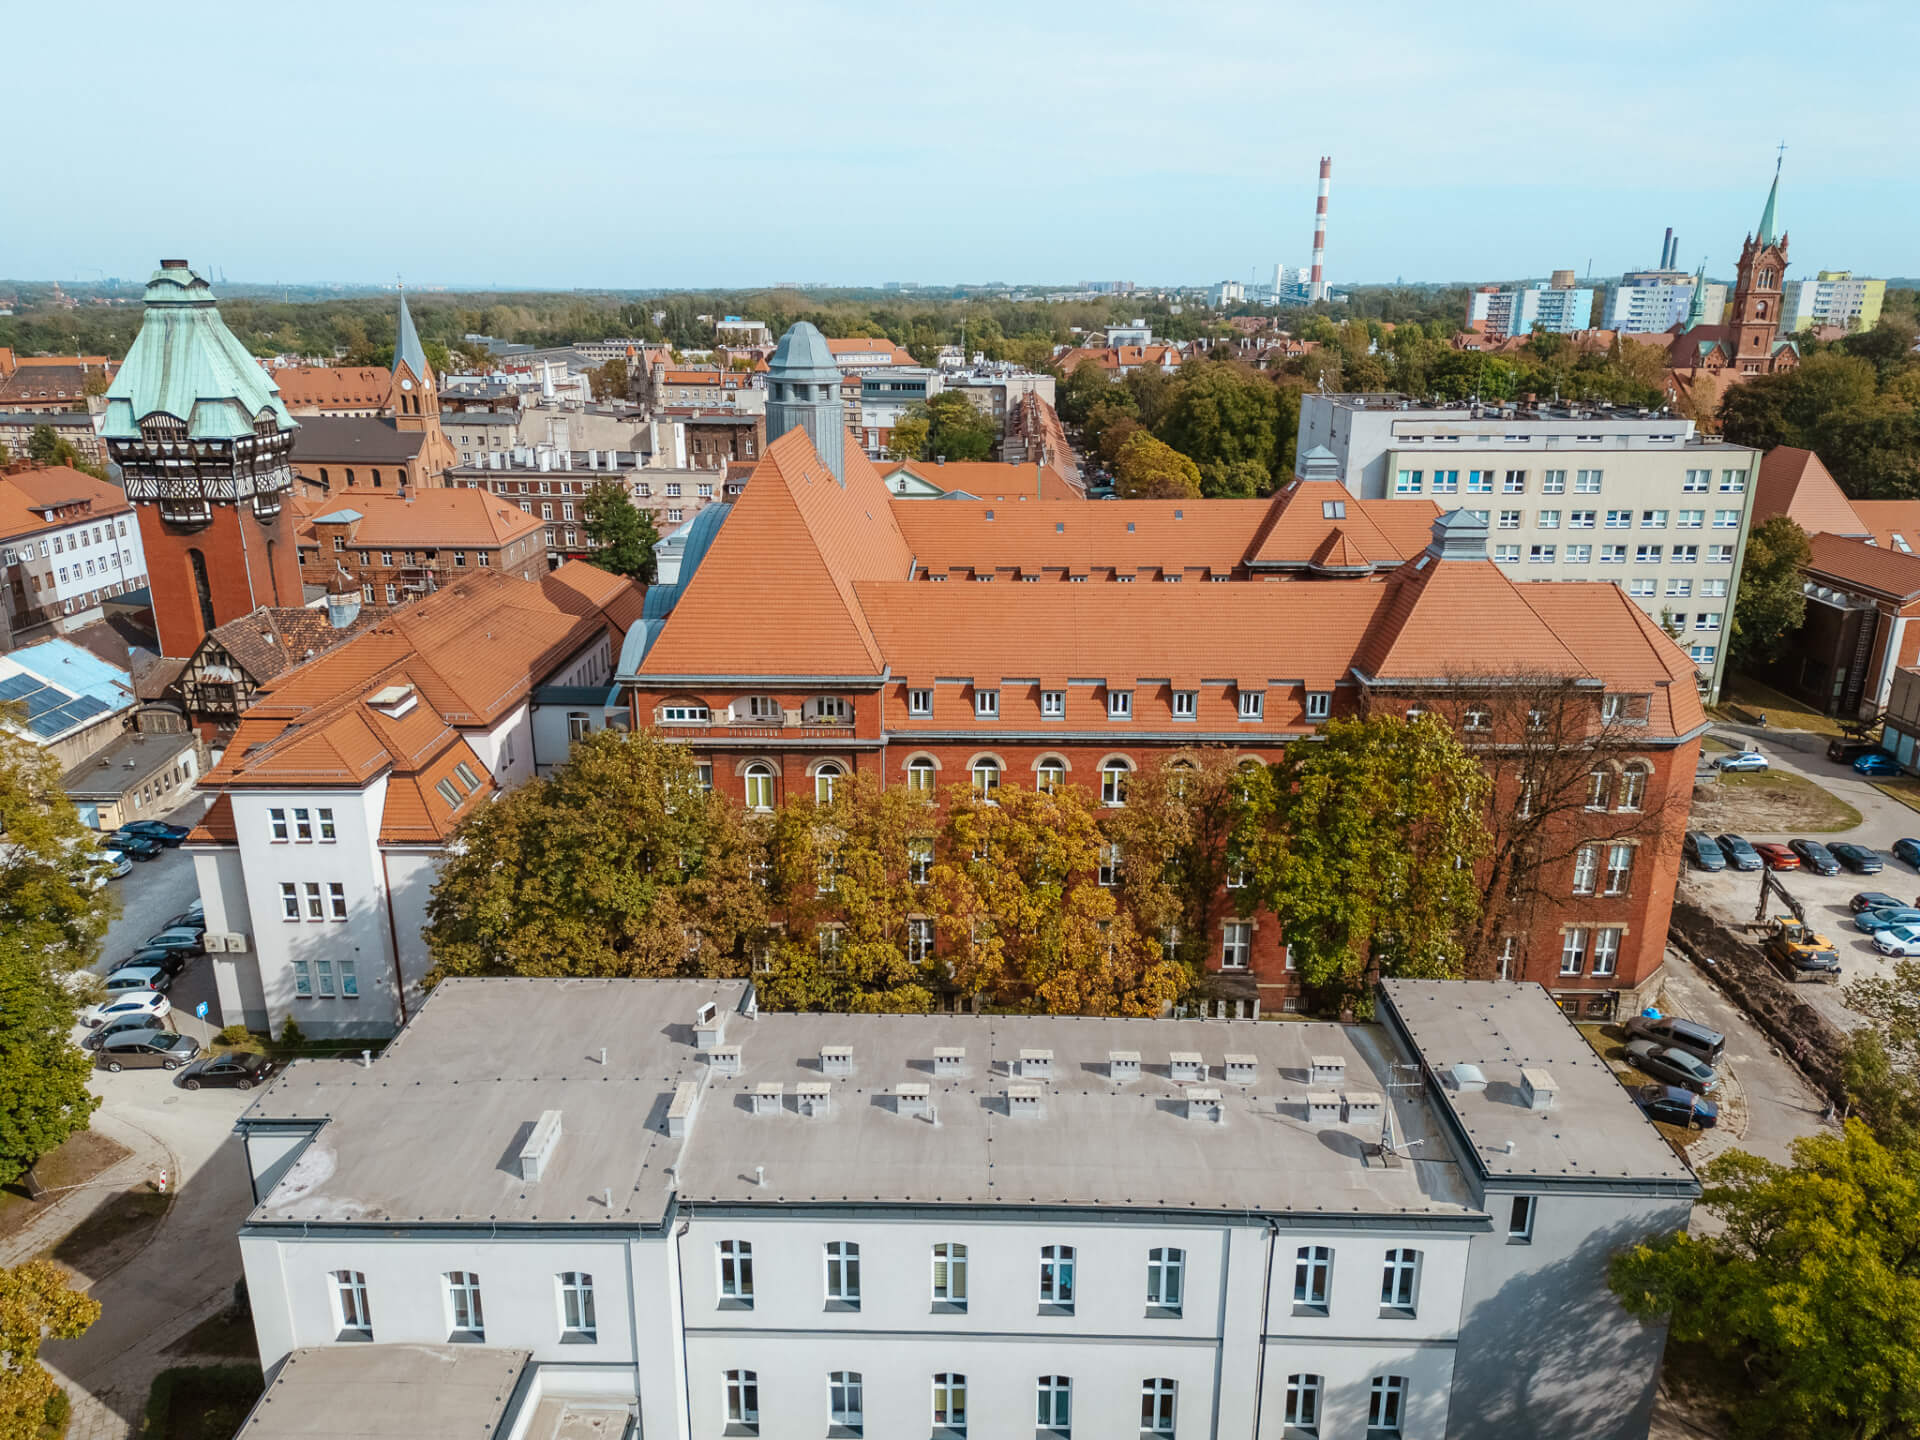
(200, 1010)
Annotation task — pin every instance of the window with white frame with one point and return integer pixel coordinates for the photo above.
(1548, 520)
(920, 776)
(351, 1311)
(1642, 589)
(336, 900)
(1055, 1411)
(302, 824)
(1726, 519)
(1446, 482)
(1586, 482)
(986, 704)
(1113, 782)
(1386, 1406)
(1056, 1277)
(465, 1317)
(1719, 554)
(1253, 704)
(1514, 482)
(686, 714)
(1586, 869)
(1302, 1414)
(1733, 482)
(843, 1274)
(1691, 519)
(1109, 865)
(1050, 774)
(1166, 1278)
(1633, 788)
(1186, 704)
(577, 1323)
(919, 860)
(1156, 1407)
(1619, 868)
(1701, 654)
(846, 1401)
(1613, 554)
(758, 779)
(1236, 944)
(277, 820)
(825, 779)
(1573, 950)
(1553, 482)
(1599, 781)
(1319, 704)
(1647, 554)
(950, 1275)
(1713, 589)
(1606, 950)
(1579, 554)
(1686, 554)
(1408, 482)
(1119, 704)
(950, 1403)
(920, 703)
(325, 819)
(919, 939)
(1677, 589)
(986, 776)
(1540, 554)
(316, 906)
(1520, 1212)
(1312, 1279)
(1053, 704)
(1400, 1282)
(1697, 481)
(1505, 956)
(736, 1272)
(830, 710)
(1582, 519)
(743, 1402)
(289, 900)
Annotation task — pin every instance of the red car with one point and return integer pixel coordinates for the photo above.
(1778, 857)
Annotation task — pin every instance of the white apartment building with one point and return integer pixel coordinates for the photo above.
(1502, 312)
(68, 542)
(1651, 302)
(1568, 493)
(1833, 297)
(654, 1212)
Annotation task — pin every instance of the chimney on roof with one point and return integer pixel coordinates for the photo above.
(1459, 535)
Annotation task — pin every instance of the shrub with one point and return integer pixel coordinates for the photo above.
(293, 1035)
(56, 1413)
(235, 1035)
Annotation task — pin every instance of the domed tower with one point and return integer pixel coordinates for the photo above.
(203, 444)
(803, 393)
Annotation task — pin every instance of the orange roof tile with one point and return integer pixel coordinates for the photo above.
(25, 494)
(417, 813)
(1889, 522)
(431, 517)
(1866, 566)
(863, 345)
(1794, 482)
(216, 826)
(333, 387)
(992, 478)
(1304, 512)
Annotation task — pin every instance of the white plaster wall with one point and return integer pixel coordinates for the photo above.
(410, 877)
(506, 749)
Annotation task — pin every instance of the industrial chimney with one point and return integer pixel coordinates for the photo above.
(1317, 286)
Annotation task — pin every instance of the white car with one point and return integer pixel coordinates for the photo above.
(1898, 940)
(149, 1003)
(116, 863)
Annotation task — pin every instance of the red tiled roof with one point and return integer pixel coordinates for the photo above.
(1794, 482)
(430, 518)
(1298, 523)
(1890, 522)
(54, 379)
(1865, 566)
(333, 387)
(22, 490)
(864, 345)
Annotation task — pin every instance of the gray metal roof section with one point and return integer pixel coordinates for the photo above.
(1593, 1130)
(365, 439)
(388, 1392)
(407, 346)
(803, 354)
(698, 536)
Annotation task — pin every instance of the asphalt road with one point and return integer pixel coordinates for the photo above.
(151, 894)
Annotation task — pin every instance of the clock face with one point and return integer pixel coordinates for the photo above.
(406, 384)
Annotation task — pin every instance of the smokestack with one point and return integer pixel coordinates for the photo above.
(1317, 286)
(1673, 255)
(1666, 250)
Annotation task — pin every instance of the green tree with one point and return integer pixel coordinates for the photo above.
(957, 430)
(43, 1075)
(1234, 480)
(1364, 845)
(1150, 469)
(622, 532)
(37, 1303)
(620, 863)
(46, 446)
(1079, 392)
(1771, 605)
(610, 381)
(1189, 809)
(1810, 1294)
(908, 439)
(1223, 414)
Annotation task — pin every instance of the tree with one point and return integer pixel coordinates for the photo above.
(956, 429)
(620, 863)
(1811, 1292)
(908, 440)
(1223, 413)
(1771, 604)
(1108, 430)
(1079, 392)
(1234, 480)
(1363, 845)
(43, 1075)
(1150, 469)
(622, 532)
(47, 447)
(36, 1304)
(610, 381)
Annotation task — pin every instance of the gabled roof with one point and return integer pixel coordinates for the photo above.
(273, 639)
(1860, 565)
(1440, 615)
(430, 517)
(354, 439)
(986, 478)
(60, 380)
(26, 495)
(1304, 513)
(1793, 482)
(334, 386)
(1893, 524)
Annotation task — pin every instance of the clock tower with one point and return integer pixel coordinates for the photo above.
(1753, 317)
(414, 400)
(203, 443)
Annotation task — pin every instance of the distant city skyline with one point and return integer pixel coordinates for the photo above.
(637, 146)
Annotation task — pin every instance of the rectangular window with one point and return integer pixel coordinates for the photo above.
(1579, 554)
(1479, 482)
(1553, 482)
(1514, 483)
(1647, 555)
(1726, 519)
(919, 939)
(1166, 1278)
(1691, 519)
(1733, 482)
(1236, 944)
(1548, 520)
(1714, 589)
(351, 1310)
(302, 825)
(1312, 1279)
(1613, 554)
(843, 1274)
(1056, 1277)
(1407, 482)
(1520, 1219)
(1701, 654)
(278, 820)
(1252, 704)
(323, 978)
(1677, 588)
(1540, 554)
(1509, 519)
(950, 1403)
(325, 817)
(743, 1402)
(920, 703)
(337, 899)
(1119, 704)
(1606, 950)
(1386, 1402)
(1400, 1281)
(950, 1275)
(1185, 704)
(1302, 1414)
(289, 900)
(315, 911)
(846, 1402)
(1582, 519)
(1719, 554)
(1706, 620)
(986, 704)
(1156, 1407)
(736, 1272)
(1573, 950)
(1507, 554)
(1586, 869)
(349, 979)
(1446, 482)
(1053, 704)
(1586, 482)
(463, 1306)
(1623, 519)
(302, 979)
(1697, 481)
(1619, 868)
(1319, 704)
(577, 1323)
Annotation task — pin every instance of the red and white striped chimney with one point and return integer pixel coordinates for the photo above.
(1317, 288)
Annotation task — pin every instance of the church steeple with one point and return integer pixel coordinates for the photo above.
(1759, 289)
(1697, 306)
(415, 398)
(1767, 235)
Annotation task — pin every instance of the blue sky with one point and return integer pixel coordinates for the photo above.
(631, 143)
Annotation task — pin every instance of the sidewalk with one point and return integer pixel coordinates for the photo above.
(148, 1158)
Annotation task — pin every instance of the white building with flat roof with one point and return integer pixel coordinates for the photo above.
(1651, 302)
(658, 1212)
(1833, 297)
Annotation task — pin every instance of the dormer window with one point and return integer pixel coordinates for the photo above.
(1119, 704)
(1319, 704)
(986, 704)
(920, 703)
(1253, 704)
(1185, 704)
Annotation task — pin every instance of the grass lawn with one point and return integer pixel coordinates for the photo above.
(116, 1229)
(201, 1403)
(1769, 802)
(1904, 788)
(1713, 744)
(1783, 712)
(77, 1161)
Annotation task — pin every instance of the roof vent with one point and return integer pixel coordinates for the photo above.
(769, 1098)
(912, 1099)
(1025, 1100)
(1364, 1107)
(949, 1059)
(1467, 1079)
(1242, 1069)
(540, 1145)
(680, 1112)
(1123, 1066)
(725, 1059)
(1188, 1065)
(1323, 1107)
(1538, 1090)
(709, 1026)
(393, 701)
(1327, 1070)
(1205, 1104)
(836, 1059)
(814, 1097)
(1036, 1064)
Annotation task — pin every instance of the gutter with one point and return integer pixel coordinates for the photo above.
(393, 936)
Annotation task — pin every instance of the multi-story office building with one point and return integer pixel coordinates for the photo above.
(396, 548)
(659, 1213)
(1834, 297)
(1651, 302)
(68, 543)
(551, 485)
(1500, 312)
(1568, 493)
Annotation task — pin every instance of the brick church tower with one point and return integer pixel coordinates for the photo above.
(203, 443)
(414, 400)
(1753, 317)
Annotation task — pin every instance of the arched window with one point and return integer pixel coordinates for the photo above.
(1113, 781)
(323, 477)
(1050, 774)
(377, 483)
(986, 776)
(759, 785)
(1633, 787)
(920, 776)
(824, 780)
(350, 479)
(1179, 777)
(1599, 782)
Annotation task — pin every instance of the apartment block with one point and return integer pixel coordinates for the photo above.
(1651, 302)
(1500, 312)
(1833, 297)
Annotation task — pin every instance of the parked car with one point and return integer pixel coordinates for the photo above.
(1877, 762)
(149, 1003)
(93, 1040)
(137, 977)
(197, 911)
(1704, 854)
(1743, 760)
(1678, 1034)
(1776, 856)
(144, 1049)
(114, 864)
(1674, 1105)
(240, 1070)
(1857, 858)
(1845, 752)
(167, 835)
(1874, 921)
(1906, 850)
(1671, 1066)
(182, 938)
(188, 920)
(134, 847)
(1898, 940)
(1872, 900)
(153, 956)
(1739, 852)
(1814, 856)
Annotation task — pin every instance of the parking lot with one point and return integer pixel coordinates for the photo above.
(151, 894)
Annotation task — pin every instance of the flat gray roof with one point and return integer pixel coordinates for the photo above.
(388, 1392)
(433, 1129)
(1593, 1130)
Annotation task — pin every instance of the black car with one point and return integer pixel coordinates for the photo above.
(240, 1070)
(1675, 1106)
(1815, 857)
(1739, 852)
(1873, 900)
(134, 847)
(160, 830)
(171, 961)
(1857, 858)
(187, 920)
(1703, 852)
(1845, 752)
